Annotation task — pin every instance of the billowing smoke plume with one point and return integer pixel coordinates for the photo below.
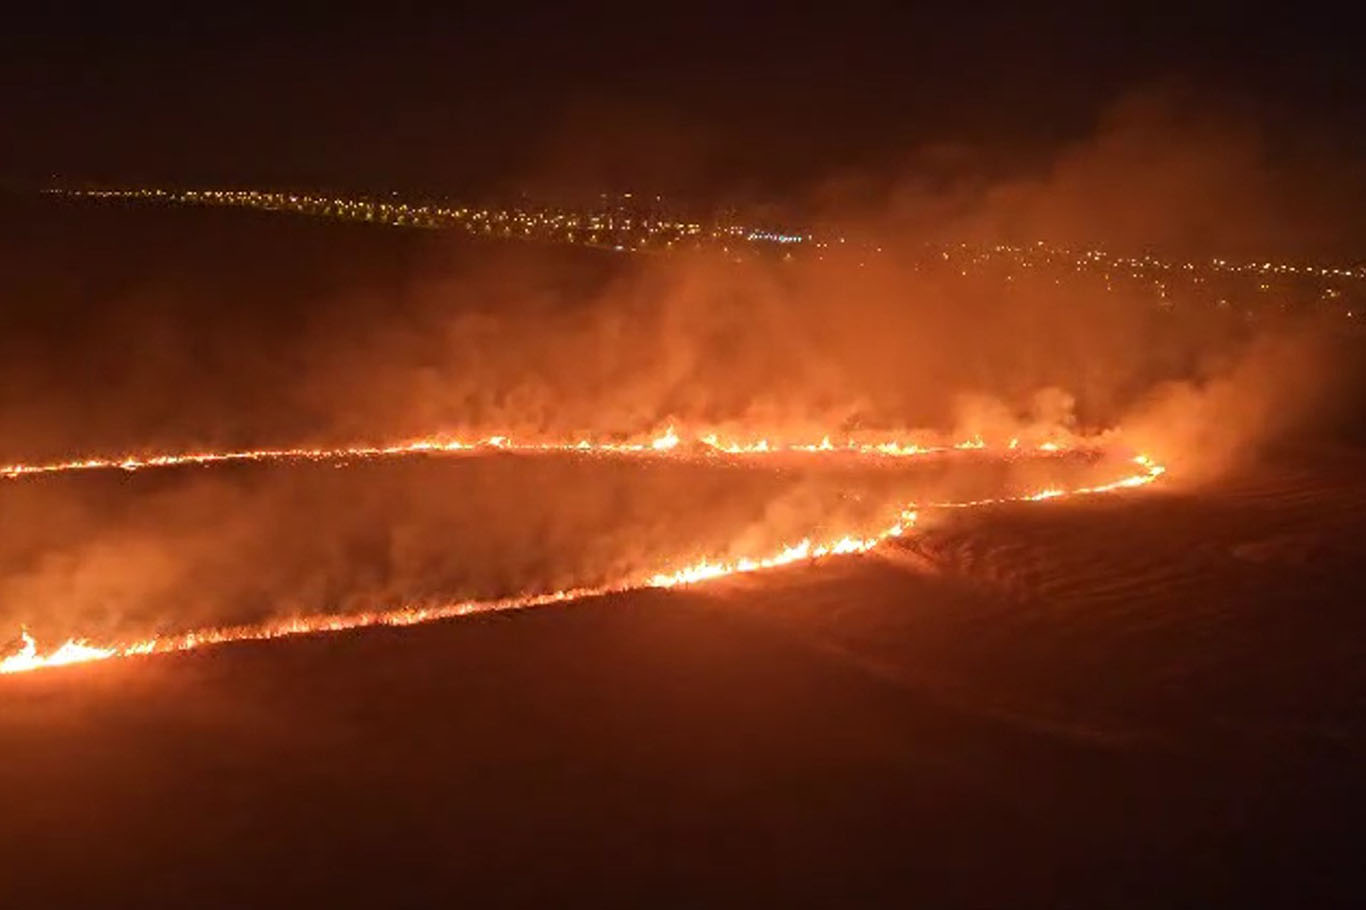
(1237, 405)
(197, 332)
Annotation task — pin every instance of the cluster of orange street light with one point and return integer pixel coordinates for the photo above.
(625, 224)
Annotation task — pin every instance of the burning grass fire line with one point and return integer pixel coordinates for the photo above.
(666, 443)
(76, 650)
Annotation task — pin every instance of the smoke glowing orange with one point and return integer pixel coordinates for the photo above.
(665, 444)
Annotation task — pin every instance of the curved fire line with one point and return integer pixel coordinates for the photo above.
(77, 650)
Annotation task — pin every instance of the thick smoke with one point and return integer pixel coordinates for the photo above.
(1236, 406)
(155, 331)
(1167, 169)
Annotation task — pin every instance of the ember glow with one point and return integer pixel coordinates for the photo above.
(664, 444)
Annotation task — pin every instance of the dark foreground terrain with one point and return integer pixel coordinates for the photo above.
(1150, 700)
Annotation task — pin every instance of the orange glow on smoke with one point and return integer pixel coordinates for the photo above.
(665, 444)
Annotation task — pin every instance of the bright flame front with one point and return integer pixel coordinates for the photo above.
(665, 444)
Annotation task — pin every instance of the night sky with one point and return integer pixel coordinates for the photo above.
(698, 99)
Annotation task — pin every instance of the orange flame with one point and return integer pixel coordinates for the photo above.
(76, 651)
(667, 443)
(71, 652)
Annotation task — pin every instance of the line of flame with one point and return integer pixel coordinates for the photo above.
(80, 651)
(667, 443)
